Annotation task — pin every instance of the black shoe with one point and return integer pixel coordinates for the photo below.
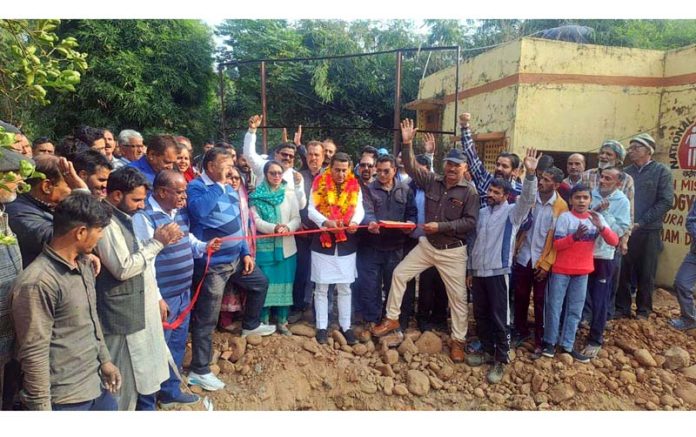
(294, 317)
(322, 336)
(548, 351)
(349, 336)
(579, 357)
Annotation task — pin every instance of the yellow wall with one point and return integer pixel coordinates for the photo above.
(548, 56)
(577, 118)
(677, 113)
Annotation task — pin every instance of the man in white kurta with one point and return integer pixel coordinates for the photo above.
(141, 356)
(337, 266)
(284, 154)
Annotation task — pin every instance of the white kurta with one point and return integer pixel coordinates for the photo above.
(334, 269)
(257, 163)
(146, 348)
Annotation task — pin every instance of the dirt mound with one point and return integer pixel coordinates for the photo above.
(642, 366)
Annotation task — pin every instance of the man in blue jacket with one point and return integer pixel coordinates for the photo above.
(214, 212)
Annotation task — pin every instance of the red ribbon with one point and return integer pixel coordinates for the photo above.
(182, 316)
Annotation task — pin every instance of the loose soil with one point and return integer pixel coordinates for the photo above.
(644, 365)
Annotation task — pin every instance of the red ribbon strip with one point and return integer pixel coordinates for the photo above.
(182, 316)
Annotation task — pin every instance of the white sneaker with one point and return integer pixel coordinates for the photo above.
(261, 330)
(208, 381)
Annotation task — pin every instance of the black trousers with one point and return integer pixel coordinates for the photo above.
(302, 287)
(492, 315)
(643, 251)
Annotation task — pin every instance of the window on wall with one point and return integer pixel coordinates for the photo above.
(489, 146)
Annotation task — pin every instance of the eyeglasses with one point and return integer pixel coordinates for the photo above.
(275, 173)
(366, 165)
(234, 178)
(287, 155)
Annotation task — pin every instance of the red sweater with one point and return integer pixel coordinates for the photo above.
(576, 257)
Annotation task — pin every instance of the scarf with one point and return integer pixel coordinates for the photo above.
(267, 203)
(335, 203)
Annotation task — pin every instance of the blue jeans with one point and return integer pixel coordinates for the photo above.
(176, 341)
(572, 290)
(205, 314)
(105, 402)
(374, 279)
(684, 286)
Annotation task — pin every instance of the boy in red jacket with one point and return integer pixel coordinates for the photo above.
(574, 238)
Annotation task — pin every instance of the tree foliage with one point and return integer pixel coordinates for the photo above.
(150, 75)
(332, 95)
(34, 61)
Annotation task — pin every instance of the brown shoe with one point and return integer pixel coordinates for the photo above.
(384, 328)
(457, 351)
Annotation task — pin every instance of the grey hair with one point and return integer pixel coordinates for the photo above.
(126, 134)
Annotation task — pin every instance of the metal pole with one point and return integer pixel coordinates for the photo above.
(263, 106)
(456, 92)
(397, 106)
(222, 104)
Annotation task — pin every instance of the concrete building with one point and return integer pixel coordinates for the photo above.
(563, 97)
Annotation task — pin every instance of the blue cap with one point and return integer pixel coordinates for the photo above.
(382, 151)
(457, 156)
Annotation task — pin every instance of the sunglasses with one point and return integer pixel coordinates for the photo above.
(287, 155)
(366, 165)
(234, 178)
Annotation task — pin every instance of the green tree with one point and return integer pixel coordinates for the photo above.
(150, 75)
(36, 61)
(333, 95)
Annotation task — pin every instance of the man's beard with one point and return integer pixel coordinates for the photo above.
(604, 165)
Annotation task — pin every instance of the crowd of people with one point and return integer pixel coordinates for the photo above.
(107, 240)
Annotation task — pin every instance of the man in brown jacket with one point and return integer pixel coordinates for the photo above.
(451, 211)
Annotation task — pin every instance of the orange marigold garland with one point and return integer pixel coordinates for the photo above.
(335, 205)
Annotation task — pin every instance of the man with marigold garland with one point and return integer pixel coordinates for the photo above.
(451, 211)
(336, 205)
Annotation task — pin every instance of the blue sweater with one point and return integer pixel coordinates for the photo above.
(145, 168)
(215, 213)
(174, 263)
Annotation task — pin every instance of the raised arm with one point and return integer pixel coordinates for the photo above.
(408, 133)
(479, 175)
(529, 188)
(256, 161)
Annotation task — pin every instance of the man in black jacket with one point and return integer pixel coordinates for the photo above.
(654, 194)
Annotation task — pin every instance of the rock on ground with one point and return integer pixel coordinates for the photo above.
(676, 358)
(644, 358)
(561, 393)
(303, 330)
(429, 343)
(686, 391)
(407, 346)
(417, 382)
(254, 340)
(237, 348)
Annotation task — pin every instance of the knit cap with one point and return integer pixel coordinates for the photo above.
(646, 140)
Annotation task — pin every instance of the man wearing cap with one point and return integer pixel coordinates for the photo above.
(654, 194)
(611, 154)
(451, 211)
(11, 178)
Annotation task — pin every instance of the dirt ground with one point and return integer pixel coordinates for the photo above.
(644, 365)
